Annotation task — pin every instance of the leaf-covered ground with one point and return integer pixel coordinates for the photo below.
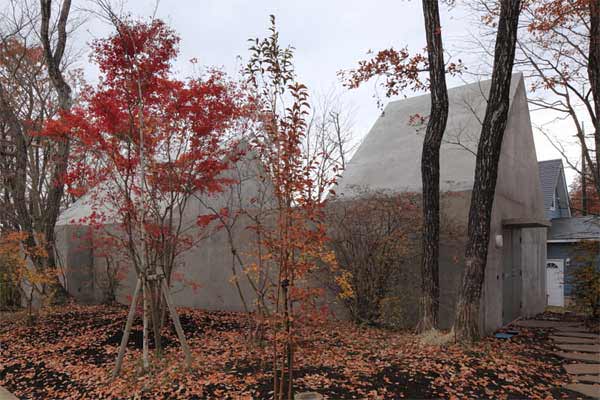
(69, 354)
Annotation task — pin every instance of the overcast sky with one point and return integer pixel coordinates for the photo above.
(329, 35)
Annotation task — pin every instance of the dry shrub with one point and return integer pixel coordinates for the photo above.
(585, 278)
(373, 235)
(376, 236)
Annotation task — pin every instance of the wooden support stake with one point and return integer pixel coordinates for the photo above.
(125, 338)
(178, 329)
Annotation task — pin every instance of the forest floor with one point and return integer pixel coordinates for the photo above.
(70, 351)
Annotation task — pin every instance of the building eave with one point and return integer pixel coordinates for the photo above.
(526, 223)
(572, 240)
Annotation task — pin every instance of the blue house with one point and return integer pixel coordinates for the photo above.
(567, 236)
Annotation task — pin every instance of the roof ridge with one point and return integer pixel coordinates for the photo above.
(553, 159)
(519, 75)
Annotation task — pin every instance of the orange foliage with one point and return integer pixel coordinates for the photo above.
(575, 198)
(21, 273)
(293, 245)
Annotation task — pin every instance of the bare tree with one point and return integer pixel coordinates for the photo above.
(557, 50)
(53, 55)
(33, 90)
(466, 324)
(329, 139)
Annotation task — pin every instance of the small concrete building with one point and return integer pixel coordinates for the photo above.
(203, 274)
(389, 160)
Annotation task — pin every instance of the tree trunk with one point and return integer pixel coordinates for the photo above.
(466, 323)
(594, 75)
(584, 201)
(158, 310)
(53, 59)
(430, 167)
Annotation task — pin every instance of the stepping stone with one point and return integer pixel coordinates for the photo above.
(582, 369)
(534, 323)
(578, 328)
(588, 378)
(585, 357)
(579, 334)
(583, 348)
(6, 395)
(574, 340)
(584, 389)
(308, 396)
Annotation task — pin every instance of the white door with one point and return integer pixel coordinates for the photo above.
(555, 291)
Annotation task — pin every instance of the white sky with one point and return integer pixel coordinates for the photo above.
(329, 35)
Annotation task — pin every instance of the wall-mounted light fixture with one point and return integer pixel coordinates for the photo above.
(499, 241)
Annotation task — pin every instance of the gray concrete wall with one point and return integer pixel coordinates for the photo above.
(518, 195)
(206, 274)
(212, 267)
(75, 259)
(455, 208)
(203, 276)
(533, 262)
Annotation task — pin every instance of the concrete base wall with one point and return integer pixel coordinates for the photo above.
(204, 275)
(75, 259)
(533, 260)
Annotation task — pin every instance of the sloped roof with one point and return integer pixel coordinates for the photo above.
(389, 156)
(98, 200)
(91, 202)
(549, 174)
(574, 229)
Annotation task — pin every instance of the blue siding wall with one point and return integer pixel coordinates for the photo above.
(553, 213)
(564, 251)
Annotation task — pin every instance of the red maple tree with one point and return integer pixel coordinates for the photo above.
(144, 144)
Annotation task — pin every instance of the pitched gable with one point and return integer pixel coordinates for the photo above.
(389, 158)
(554, 189)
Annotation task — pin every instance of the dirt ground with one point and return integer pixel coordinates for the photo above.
(70, 352)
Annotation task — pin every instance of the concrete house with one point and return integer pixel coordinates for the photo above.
(567, 236)
(389, 159)
(203, 275)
